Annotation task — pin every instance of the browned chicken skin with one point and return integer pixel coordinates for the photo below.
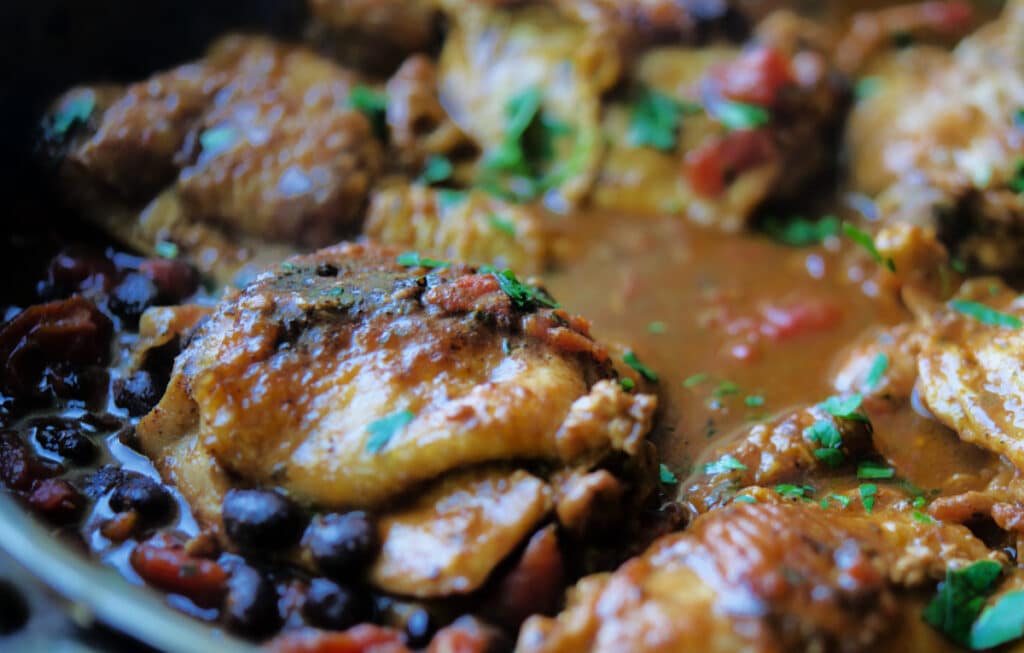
(770, 576)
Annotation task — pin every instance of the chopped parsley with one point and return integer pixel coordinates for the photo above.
(754, 401)
(657, 327)
(725, 389)
(666, 476)
(1001, 623)
(736, 116)
(217, 139)
(75, 111)
(629, 358)
(825, 433)
(414, 260)
(724, 465)
(845, 407)
(520, 168)
(921, 517)
(919, 502)
(448, 198)
(1017, 183)
(166, 249)
(504, 225)
(864, 239)
(842, 500)
(627, 383)
(436, 169)
(867, 87)
(382, 430)
(791, 491)
(654, 119)
(985, 314)
(374, 105)
(695, 379)
(799, 232)
(868, 491)
(958, 265)
(878, 367)
(523, 295)
(872, 470)
(960, 599)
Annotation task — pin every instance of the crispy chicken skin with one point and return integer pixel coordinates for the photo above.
(287, 382)
(474, 227)
(254, 140)
(938, 142)
(770, 576)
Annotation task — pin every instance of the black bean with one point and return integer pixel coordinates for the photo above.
(331, 606)
(419, 628)
(342, 544)
(64, 438)
(143, 495)
(132, 297)
(261, 520)
(251, 604)
(14, 611)
(325, 269)
(102, 481)
(137, 394)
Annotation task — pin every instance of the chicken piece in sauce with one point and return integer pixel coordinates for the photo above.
(352, 376)
(253, 141)
(767, 576)
(939, 140)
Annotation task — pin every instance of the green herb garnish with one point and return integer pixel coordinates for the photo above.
(961, 598)
(985, 314)
(73, 112)
(436, 169)
(414, 260)
(374, 105)
(999, 624)
(382, 430)
(867, 87)
(629, 358)
(831, 457)
(725, 389)
(868, 491)
(501, 224)
(666, 476)
(448, 198)
(217, 139)
(627, 383)
(745, 498)
(657, 327)
(872, 470)
(695, 379)
(523, 295)
(798, 232)
(166, 249)
(877, 371)
(921, 517)
(724, 465)
(736, 116)
(654, 119)
(754, 401)
(825, 433)
(842, 500)
(794, 491)
(864, 239)
(845, 407)
(1017, 183)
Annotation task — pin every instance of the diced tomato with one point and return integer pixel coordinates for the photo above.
(949, 17)
(56, 500)
(173, 570)
(756, 77)
(710, 167)
(805, 316)
(364, 638)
